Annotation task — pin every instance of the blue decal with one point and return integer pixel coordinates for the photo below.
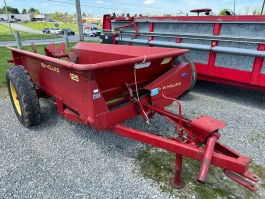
(184, 75)
(154, 91)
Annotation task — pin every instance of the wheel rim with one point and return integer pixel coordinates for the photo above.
(14, 97)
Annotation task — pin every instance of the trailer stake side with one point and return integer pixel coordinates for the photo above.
(226, 49)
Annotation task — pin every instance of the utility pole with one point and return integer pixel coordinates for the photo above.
(262, 7)
(79, 20)
(235, 6)
(8, 19)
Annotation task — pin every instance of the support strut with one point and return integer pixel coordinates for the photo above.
(177, 181)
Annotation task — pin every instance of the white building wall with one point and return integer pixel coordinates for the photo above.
(22, 17)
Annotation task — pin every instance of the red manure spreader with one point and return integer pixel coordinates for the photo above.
(102, 85)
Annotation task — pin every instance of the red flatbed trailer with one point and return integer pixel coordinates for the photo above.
(103, 85)
(225, 49)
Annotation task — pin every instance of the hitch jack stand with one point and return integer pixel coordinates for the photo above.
(176, 181)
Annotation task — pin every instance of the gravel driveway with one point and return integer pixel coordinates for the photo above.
(62, 159)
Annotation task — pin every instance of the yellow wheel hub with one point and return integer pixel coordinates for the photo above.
(14, 97)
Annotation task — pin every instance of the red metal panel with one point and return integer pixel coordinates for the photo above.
(151, 29)
(115, 36)
(232, 82)
(106, 22)
(257, 66)
(171, 84)
(262, 81)
(178, 40)
(201, 68)
(231, 74)
(212, 54)
(204, 126)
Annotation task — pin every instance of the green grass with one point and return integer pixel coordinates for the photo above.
(41, 25)
(6, 36)
(158, 165)
(4, 55)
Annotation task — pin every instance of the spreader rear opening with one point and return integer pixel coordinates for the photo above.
(122, 100)
(135, 81)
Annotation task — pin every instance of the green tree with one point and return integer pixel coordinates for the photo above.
(223, 12)
(66, 17)
(24, 11)
(256, 11)
(33, 10)
(57, 16)
(9, 10)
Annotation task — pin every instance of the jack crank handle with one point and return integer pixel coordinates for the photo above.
(206, 159)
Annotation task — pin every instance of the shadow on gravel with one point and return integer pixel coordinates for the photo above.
(188, 97)
(157, 164)
(107, 141)
(49, 115)
(248, 97)
(124, 147)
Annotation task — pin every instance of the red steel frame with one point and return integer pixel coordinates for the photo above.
(196, 139)
(210, 71)
(235, 165)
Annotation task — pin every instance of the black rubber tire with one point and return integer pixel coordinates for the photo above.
(188, 59)
(26, 95)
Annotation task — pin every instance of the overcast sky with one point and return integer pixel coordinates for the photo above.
(99, 7)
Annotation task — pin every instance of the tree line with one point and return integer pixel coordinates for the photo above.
(66, 16)
(12, 10)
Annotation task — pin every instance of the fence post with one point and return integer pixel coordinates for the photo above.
(66, 38)
(17, 36)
